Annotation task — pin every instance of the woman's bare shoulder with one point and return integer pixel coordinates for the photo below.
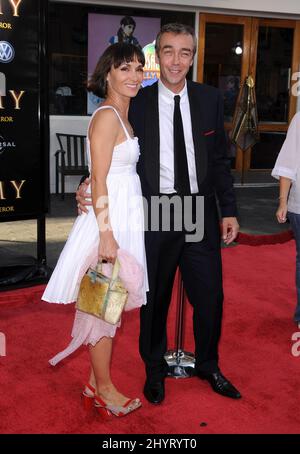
(105, 121)
(105, 117)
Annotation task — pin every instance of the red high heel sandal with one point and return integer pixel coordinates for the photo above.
(88, 399)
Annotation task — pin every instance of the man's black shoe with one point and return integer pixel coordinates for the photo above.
(220, 384)
(154, 392)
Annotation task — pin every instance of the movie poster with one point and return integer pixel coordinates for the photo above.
(106, 29)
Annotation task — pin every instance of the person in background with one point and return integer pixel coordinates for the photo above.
(287, 170)
(230, 96)
(110, 228)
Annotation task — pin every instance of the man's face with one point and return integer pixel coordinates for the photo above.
(175, 57)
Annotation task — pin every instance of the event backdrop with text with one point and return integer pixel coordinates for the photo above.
(23, 148)
(102, 29)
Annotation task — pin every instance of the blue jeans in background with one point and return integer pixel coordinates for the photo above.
(295, 224)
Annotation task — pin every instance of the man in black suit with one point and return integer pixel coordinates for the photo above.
(186, 161)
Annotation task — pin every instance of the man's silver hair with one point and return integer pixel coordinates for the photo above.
(177, 29)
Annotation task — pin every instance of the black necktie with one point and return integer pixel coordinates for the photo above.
(181, 173)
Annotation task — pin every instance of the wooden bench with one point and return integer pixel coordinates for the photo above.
(70, 159)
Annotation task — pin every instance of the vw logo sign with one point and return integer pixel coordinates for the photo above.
(7, 52)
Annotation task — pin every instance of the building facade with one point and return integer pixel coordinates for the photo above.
(233, 43)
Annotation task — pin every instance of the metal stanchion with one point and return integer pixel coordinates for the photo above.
(181, 363)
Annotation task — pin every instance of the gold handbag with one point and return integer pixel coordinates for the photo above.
(102, 296)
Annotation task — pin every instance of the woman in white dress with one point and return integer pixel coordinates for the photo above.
(113, 225)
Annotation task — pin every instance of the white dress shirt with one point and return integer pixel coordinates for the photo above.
(288, 163)
(166, 112)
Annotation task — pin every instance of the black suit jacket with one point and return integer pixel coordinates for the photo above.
(212, 166)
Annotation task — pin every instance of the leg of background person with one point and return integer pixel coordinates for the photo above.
(295, 224)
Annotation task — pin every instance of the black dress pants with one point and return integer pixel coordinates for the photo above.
(201, 269)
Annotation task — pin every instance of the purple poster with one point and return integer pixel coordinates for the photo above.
(106, 29)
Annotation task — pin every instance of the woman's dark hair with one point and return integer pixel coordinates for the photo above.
(128, 20)
(114, 55)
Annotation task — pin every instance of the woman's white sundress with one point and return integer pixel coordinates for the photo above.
(81, 248)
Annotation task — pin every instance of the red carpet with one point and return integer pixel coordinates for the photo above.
(21, 296)
(255, 354)
(258, 240)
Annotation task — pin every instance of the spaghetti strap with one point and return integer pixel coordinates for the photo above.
(116, 112)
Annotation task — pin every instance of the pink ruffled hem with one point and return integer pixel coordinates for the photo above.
(87, 329)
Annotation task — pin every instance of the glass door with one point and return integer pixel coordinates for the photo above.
(274, 60)
(233, 47)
